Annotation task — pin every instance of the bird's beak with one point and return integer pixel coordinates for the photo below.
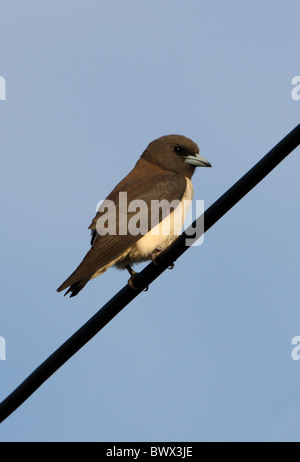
(197, 161)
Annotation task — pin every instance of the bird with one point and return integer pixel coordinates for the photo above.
(162, 174)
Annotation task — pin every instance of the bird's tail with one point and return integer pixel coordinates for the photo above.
(74, 288)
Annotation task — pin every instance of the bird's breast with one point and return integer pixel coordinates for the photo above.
(165, 232)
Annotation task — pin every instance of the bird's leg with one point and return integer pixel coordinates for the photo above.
(130, 270)
(154, 256)
(132, 276)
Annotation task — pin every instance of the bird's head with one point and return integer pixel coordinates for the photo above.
(175, 153)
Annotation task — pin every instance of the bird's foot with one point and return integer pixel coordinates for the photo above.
(130, 282)
(133, 275)
(154, 256)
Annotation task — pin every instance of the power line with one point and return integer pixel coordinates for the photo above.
(149, 274)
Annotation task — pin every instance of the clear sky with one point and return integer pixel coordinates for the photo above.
(205, 354)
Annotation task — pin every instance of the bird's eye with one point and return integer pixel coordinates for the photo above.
(177, 149)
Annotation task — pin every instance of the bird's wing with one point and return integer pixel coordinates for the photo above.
(107, 248)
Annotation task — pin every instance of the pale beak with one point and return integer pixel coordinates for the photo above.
(197, 161)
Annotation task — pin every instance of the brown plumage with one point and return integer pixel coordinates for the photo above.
(162, 172)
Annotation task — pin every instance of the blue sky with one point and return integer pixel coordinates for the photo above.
(205, 354)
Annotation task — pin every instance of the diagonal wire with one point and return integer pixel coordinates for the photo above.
(149, 274)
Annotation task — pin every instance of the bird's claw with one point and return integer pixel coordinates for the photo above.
(154, 256)
(130, 282)
(133, 275)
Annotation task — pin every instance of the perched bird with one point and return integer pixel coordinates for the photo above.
(163, 173)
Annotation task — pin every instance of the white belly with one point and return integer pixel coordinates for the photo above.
(161, 235)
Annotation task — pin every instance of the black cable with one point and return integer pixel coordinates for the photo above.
(148, 274)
